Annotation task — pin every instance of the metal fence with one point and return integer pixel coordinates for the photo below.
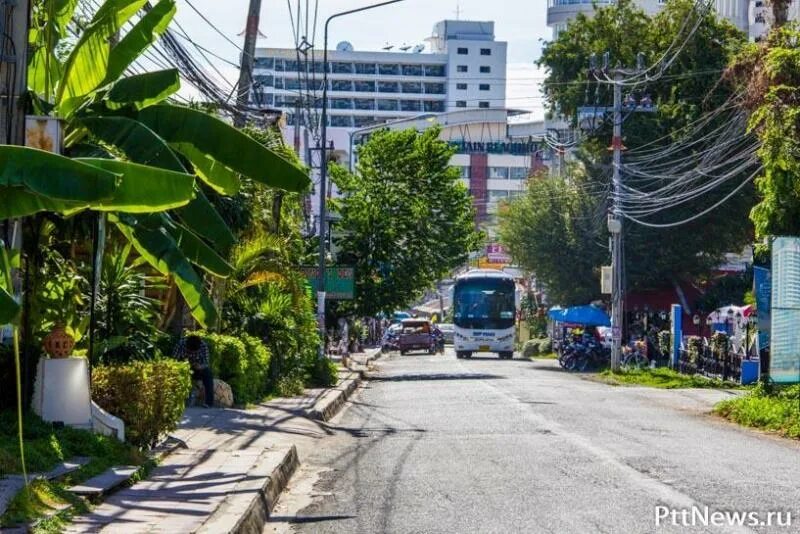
(721, 364)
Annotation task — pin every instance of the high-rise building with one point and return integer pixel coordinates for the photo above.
(462, 66)
(560, 12)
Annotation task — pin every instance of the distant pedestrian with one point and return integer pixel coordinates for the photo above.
(195, 351)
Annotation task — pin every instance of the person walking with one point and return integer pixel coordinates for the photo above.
(195, 351)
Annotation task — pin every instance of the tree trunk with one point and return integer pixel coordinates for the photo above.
(780, 11)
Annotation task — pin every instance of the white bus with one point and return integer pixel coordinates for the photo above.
(484, 312)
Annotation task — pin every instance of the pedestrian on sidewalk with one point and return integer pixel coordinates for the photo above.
(195, 351)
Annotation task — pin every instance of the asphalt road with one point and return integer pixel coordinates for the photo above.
(436, 444)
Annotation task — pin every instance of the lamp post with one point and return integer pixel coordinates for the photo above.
(323, 171)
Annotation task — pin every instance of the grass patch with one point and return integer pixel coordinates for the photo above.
(43, 499)
(45, 447)
(775, 408)
(662, 378)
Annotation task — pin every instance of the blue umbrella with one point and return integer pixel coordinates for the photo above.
(585, 315)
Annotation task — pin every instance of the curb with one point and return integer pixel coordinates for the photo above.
(332, 400)
(250, 503)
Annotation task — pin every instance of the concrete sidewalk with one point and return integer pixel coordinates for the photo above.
(227, 479)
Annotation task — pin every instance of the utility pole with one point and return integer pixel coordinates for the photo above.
(247, 61)
(615, 227)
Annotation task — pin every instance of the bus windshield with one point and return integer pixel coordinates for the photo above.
(484, 304)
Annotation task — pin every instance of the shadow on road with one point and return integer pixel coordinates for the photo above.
(433, 377)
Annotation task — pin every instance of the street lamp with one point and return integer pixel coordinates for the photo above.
(323, 174)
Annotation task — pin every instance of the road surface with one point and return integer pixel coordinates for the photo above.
(436, 444)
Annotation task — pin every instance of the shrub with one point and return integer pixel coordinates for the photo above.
(242, 362)
(665, 342)
(531, 348)
(149, 396)
(323, 373)
(545, 346)
(694, 346)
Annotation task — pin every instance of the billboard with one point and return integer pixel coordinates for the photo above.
(785, 314)
(762, 289)
(339, 281)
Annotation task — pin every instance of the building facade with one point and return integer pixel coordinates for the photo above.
(461, 67)
(560, 12)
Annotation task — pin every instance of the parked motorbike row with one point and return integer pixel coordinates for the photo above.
(584, 353)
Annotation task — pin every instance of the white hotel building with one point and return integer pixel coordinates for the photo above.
(457, 79)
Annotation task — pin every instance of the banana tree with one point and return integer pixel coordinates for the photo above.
(134, 120)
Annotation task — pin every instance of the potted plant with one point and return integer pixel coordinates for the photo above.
(60, 300)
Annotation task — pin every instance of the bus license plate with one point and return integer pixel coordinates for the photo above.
(484, 348)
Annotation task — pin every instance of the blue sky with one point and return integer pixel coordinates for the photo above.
(519, 22)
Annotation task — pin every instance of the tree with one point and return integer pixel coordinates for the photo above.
(552, 232)
(769, 74)
(690, 89)
(406, 219)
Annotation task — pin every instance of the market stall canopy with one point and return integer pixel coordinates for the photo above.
(584, 315)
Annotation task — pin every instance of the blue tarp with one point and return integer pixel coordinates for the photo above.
(585, 315)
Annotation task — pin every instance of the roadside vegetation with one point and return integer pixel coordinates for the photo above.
(775, 408)
(662, 378)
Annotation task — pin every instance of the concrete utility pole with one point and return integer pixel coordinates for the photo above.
(615, 227)
(247, 61)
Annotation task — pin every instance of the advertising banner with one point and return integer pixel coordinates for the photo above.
(762, 289)
(785, 315)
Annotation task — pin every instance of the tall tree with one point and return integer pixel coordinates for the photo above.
(406, 219)
(690, 89)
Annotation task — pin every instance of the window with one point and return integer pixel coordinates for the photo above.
(462, 68)
(387, 105)
(410, 105)
(279, 65)
(486, 51)
(412, 70)
(461, 103)
(365, 68)
(461, 86)
(463, 51)
(486, 69)
(498, 173)
(365, 103)
(341, 103)
(483, 105)
(343, 121)
(292, 65)
(465, 172)
(434, 88)
(434, 70)
(265, 79)
(411, 87)
(360, 122)
(389, 70)
(291, 84)
(484, 87)
(341, 85)
(436, 106)
(341, 68)
(519, 173)
(278, 83)
(388, 87)
(265, 63)
(365, 87)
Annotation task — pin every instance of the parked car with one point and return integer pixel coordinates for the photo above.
(448, 330)
(416, 334)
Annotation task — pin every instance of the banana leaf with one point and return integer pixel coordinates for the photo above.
(161, 251)
(143, 90)
(143, 189)
(140, 144)
(87, 65)
(181, 126)
(198, 252)
(9, 308)
(216, 175)
(139, 38)
(53, 176)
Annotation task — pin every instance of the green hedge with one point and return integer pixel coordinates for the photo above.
(536, 347)
(149, 396)
(242, 362)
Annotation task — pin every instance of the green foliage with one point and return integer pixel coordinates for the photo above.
(149, 396)
(774, 409)
(662, 378)
(552, 230)
(694, 348)
(323, 373)
(406, 219)
(665, 342)
(531, 348)
(771, 74)
(654, 257)
(242, 361)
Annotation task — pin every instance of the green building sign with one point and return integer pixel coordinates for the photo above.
(340, 282)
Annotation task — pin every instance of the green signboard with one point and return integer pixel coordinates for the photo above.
(340, 282)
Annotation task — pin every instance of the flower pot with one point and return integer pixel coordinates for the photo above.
(58, 343)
